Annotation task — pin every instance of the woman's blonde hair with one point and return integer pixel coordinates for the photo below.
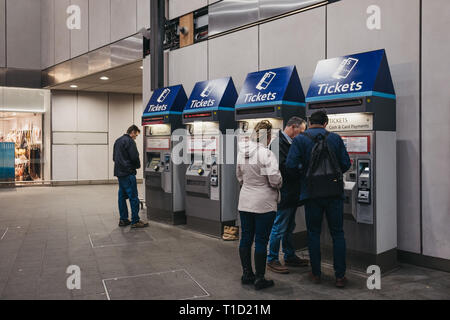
(262, 131)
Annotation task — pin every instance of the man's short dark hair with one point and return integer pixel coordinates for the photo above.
(133, 128)
(295, 121)
(319, 117)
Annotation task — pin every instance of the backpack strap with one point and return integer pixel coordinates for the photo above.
(316, 138)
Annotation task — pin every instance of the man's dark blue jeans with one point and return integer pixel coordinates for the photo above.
(256, 228)
(128, 190)
(334, 210)
(282, 230)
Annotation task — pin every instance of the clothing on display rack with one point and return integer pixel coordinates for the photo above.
(28, 149)
(35, 162)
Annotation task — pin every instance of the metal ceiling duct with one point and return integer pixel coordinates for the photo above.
(228, 15)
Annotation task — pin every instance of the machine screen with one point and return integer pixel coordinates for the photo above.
(358, 145)
(202, 144)
(158, 144)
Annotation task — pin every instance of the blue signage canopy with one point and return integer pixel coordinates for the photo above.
(360, 75)
(212, 95)
(272, 87)
(165, 101)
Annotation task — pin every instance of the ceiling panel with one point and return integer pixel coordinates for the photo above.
(125, 79)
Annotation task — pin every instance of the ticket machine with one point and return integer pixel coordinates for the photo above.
(211, 194)
(164, 179)
(275, 95)
(358, 94)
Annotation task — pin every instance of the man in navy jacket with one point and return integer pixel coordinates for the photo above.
(126, 162)
(297, 163)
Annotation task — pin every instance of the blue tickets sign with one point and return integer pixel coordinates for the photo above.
(170, 100)
(212, 95)
(359, 75)
(272, 87)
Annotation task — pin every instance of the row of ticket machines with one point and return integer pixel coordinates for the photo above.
(190, 147)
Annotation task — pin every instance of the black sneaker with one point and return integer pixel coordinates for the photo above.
(248, 278)
(263, 283)
(139, 225)
(124, 223)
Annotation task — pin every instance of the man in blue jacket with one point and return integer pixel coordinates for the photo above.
(126, 162)
(297, 163)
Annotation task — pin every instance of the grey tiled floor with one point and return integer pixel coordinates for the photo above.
(45, 230)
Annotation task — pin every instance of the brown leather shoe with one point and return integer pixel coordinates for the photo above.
(139, 225)
(296, 262)
(315, 279)
(277, 267)
(341, 283)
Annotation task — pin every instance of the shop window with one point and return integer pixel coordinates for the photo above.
(23, 131)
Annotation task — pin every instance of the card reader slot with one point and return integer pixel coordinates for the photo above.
(336, 104)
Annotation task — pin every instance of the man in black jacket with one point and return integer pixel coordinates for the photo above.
(126, 162)
(284, 224)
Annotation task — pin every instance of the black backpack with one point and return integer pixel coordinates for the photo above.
(324, 176)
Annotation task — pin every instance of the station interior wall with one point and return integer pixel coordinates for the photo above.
(413, 34)
(85, 126)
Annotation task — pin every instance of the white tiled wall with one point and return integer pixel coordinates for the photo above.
(64, 162)
(92, 162)
(123, 19)
(92, 112)
(181, 7)
(302, 49)
(102, 22)
(85, 126)
(22, 33)
(64, 111)
(79, 39)
(2, 35)
(138, 111)
(99, 23)
(121, 117)
(188, 65)
(234, 55)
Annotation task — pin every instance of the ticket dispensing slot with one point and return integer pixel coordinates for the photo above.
(364, 182)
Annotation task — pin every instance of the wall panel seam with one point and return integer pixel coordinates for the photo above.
(326, 32)
(259, 47)
(6, 35)
(420, 121)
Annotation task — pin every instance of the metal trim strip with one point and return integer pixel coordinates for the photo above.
(353, 95)
(273, 103)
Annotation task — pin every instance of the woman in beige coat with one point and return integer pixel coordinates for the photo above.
(258, 173)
